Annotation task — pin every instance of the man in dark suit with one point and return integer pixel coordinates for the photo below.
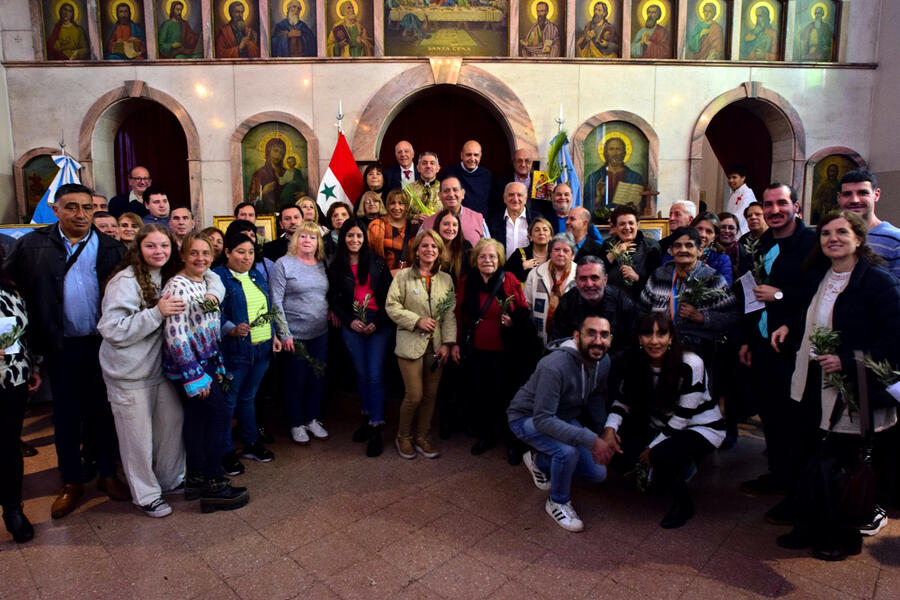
(404, 172)
(511, 228)
(289, 221)
(578, 224)
(59, 269)
(138, 181)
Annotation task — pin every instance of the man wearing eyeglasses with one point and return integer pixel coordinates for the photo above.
(138, 181)
(59, 270)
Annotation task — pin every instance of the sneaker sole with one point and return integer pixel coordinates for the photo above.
(529, 464)
(159, 514)
(306, 443)
(572, 528)
(321, 439)
(257, 459)
(871, 532)
(400, 452)
(211, 505)
(421, 451)
(233, 473)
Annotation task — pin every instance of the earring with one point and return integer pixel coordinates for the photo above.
(670, 347)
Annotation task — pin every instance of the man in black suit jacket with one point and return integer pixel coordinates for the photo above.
(578, 224)
(511, 228)
(404, 172)
(289, 221)
(138, 181)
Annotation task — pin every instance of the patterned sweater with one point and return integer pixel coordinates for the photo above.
(191, 339)
(15, 369)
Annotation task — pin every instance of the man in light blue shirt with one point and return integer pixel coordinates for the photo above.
(860, 193)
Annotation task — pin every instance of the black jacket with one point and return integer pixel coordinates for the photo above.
(37, 265)
(341, 286)
(276, 248)
(121, 204)
(615, 306)
(590, 247)
(497, 225)
(646, 259)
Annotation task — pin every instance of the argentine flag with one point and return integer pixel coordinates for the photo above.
(68, 173)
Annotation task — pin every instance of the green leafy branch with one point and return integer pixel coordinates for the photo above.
(828, 341)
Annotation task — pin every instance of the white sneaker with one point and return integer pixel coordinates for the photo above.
(300, 435)
(540, 478)
(315, 428)
(565, 515)
(157, 508)
(879, 521)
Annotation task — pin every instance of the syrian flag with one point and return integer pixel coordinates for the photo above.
(68, 173)
(342, 181)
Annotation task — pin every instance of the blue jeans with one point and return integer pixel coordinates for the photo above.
(368, 354)
(303, 389)
(241, 396)
(560, 460)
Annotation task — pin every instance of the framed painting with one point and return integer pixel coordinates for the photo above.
(236, 26)
(179, 30)
(293, 28)
(274, 166)
(708, 30)
(349, 24)
(37, 176)
(265, 226)
(122, 29)
(599, 29)
(543, 23)
(616, 161)
(65, 30)
(655, 229)
(815, 28)
(453, 27)
(652, 24)
(827, 183)
(761, 30)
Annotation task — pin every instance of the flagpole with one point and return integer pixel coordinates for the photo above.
(62, 142)
(560, 120)
(340, 116)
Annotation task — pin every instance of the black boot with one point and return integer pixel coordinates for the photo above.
(681, 511)
(17, 524)
(363, 433)
(194, 486)
(220, 495)
(376, 444)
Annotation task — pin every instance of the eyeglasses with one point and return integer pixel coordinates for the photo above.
(140, 178)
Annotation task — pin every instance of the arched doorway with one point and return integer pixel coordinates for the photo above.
(441, 119)
(151, 136)
(736, 136)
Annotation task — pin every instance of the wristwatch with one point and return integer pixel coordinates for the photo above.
(779, 295)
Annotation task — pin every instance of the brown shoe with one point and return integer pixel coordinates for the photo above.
(113, 487)
(67, 500)
(405, 447)
(426, 448)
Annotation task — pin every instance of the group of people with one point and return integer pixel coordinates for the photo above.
(518, 324)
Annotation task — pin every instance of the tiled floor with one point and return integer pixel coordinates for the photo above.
(324, 521)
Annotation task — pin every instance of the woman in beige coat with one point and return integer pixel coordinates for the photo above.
(421, 301)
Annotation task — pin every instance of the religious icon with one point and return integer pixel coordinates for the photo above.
(293, 27)
(180, 30)
(349, 29)
(761, 30)
(827, 183)
(461, 27)
(122, 29)
(38, 174)
(650, 22)
(707, 30)
(543, 36)
(815, 22)
(64, 30)
(236, 23)
(616, 161)
(274, 166)
(599, 29)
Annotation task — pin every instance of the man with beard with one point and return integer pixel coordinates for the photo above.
(291, 36)
(348, 37)
(599, 38)
(761, 42)
(707, 41)
(602, 187)
(235, 39)
(817, 38)
(126, 40)
(544, 414)
(265, 184)
(176, 38)
(67, 41)
(543, 37)
(652, 41)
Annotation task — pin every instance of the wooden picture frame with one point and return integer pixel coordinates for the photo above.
(655, 229)
(266, 230)
(17, 230)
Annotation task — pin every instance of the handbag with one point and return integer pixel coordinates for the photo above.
(858, 492)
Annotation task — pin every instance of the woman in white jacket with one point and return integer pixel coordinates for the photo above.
(145, 404)
(547, 283)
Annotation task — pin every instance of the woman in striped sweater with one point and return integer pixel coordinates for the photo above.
(664, 415)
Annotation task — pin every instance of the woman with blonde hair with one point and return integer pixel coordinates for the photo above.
(299, 285)
(370, 207)
(310, 212)
(129, 225)
(421, 301)
(390, 234)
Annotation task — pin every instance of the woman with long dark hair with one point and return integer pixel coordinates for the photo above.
(860, 301)
(664, 415)
(357, 294)
(455, 255)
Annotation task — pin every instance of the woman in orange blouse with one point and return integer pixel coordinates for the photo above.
(390, 235)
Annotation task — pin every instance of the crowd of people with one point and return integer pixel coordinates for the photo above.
(509, 316)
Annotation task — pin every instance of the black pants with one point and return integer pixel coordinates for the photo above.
(206, 423)
(488, 381)
(82, 419)
(12, 413)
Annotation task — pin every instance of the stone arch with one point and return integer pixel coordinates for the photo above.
(19, 175)
(93, 120)
(312, 149)
(618, 115)
(811, 163)
(397, 93)
(782, 121)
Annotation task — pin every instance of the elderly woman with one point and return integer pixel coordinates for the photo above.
(664, 415)
(420, 301)
(299, 287)
(628, 255)
(711, 253)
(336, 215)
(524, 260)
(547, 283)
(497, 334)
(389, 236)
(860, 301)
(370, 208)
(692, 293)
